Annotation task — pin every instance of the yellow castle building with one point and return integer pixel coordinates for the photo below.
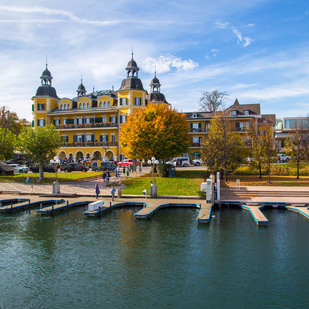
(89, 124)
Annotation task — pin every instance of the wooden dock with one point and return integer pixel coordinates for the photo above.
(104, 209)
(302, 210)
(155, 205)
(256, 213)
(204, 214)
(27, 206)
(60, 206)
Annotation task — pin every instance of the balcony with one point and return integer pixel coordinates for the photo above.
(87, 125)
(196, 145)
(199, 130)
(90, 144)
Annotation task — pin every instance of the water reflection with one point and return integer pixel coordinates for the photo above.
(70, 261)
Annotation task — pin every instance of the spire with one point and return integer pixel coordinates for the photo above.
(155, 84)
(46, 78)
(81, 90)
(132, 68)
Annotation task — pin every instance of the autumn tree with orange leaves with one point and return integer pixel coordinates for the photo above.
(156, 131)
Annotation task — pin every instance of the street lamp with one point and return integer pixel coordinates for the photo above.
(153, 186)
(105, 147)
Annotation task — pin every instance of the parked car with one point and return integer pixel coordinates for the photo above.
(105, 166)
(74, 167)
(19, 169)
(283, 158)
(180, 161)
(127, 162)
(197, 162)
(48, 168)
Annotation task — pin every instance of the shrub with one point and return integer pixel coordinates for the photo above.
(162, 170)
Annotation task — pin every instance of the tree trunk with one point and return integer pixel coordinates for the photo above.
(41, 170)
(269, 174)
(297, 164)
(260, 170)
(225, 177)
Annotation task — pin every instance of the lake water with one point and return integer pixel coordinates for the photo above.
(169, 261)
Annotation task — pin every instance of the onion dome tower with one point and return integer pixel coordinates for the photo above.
(46, 89)
(132, 81)
(155, 95)
(81, 90)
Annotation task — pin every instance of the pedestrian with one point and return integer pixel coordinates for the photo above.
(116, 171)
(27, 179)
(107, 177)
(104, 178)
(97, 190)
(113, 191)
(124, 170)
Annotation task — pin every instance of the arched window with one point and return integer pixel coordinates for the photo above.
(60, 106)
(88, 105)
(104, 103)
(109, 104)
(84, 105)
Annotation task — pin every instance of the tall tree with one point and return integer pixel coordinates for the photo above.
(40, 143)
(212, 101)
(156, 131)
(222, 149)
(269, 151)
(7, 144)
(297, 146)
(9, 120)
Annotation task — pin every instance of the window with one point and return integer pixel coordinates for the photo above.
(113, 138)
(123, 101)
(61, 107)
(104, 119)
(87, 120)
(80, 120)
(194, 115)
(57, 122)
(64, 121)
(279, 125)
(104, 103)
(123, 118)
(88, 138)
(79, 138)
(112, 119)
(138, 101)
(88, 105)
(65, 138)
(246, 112)
(196, 140)
(104, 138)
(41, 122)
(109, 104)
(41, 106)
(207, 125)
(80, 105)
(84, 105)
(195, 127)
(234, 113)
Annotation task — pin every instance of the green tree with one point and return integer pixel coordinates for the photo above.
(222, 149)
(156, 131)
(10, 121)
(40, 143)
(297, 147)
(7, 144)
(269, 151)
(212, 101)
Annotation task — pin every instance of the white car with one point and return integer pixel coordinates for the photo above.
(19, 169)
(197, 162)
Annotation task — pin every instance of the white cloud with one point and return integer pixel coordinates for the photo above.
(164, 64)
(221, 25)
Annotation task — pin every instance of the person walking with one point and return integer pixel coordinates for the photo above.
(113, 191)
(97, 190)
(104, 178)
(107, 178)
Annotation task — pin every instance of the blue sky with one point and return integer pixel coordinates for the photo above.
(257, 50)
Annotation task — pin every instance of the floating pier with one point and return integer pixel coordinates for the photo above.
(103, 209)
(256, 213)
(204, 214)
(148, 211)
(301, 209)
(61, 205)
(27, 206)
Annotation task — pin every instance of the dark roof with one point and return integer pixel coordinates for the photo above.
(132, 64)
(81, 87)
(254, 109)
(46, 73)
(131, 83)
(157, 97)
(270, 119)
(47, 91)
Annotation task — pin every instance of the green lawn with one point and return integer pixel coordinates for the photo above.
(185, 183)
(51, 177)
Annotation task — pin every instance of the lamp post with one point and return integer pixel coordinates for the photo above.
(153, 186)
(105, 147)
(56, 185)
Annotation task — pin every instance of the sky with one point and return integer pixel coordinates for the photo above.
(256, 51)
